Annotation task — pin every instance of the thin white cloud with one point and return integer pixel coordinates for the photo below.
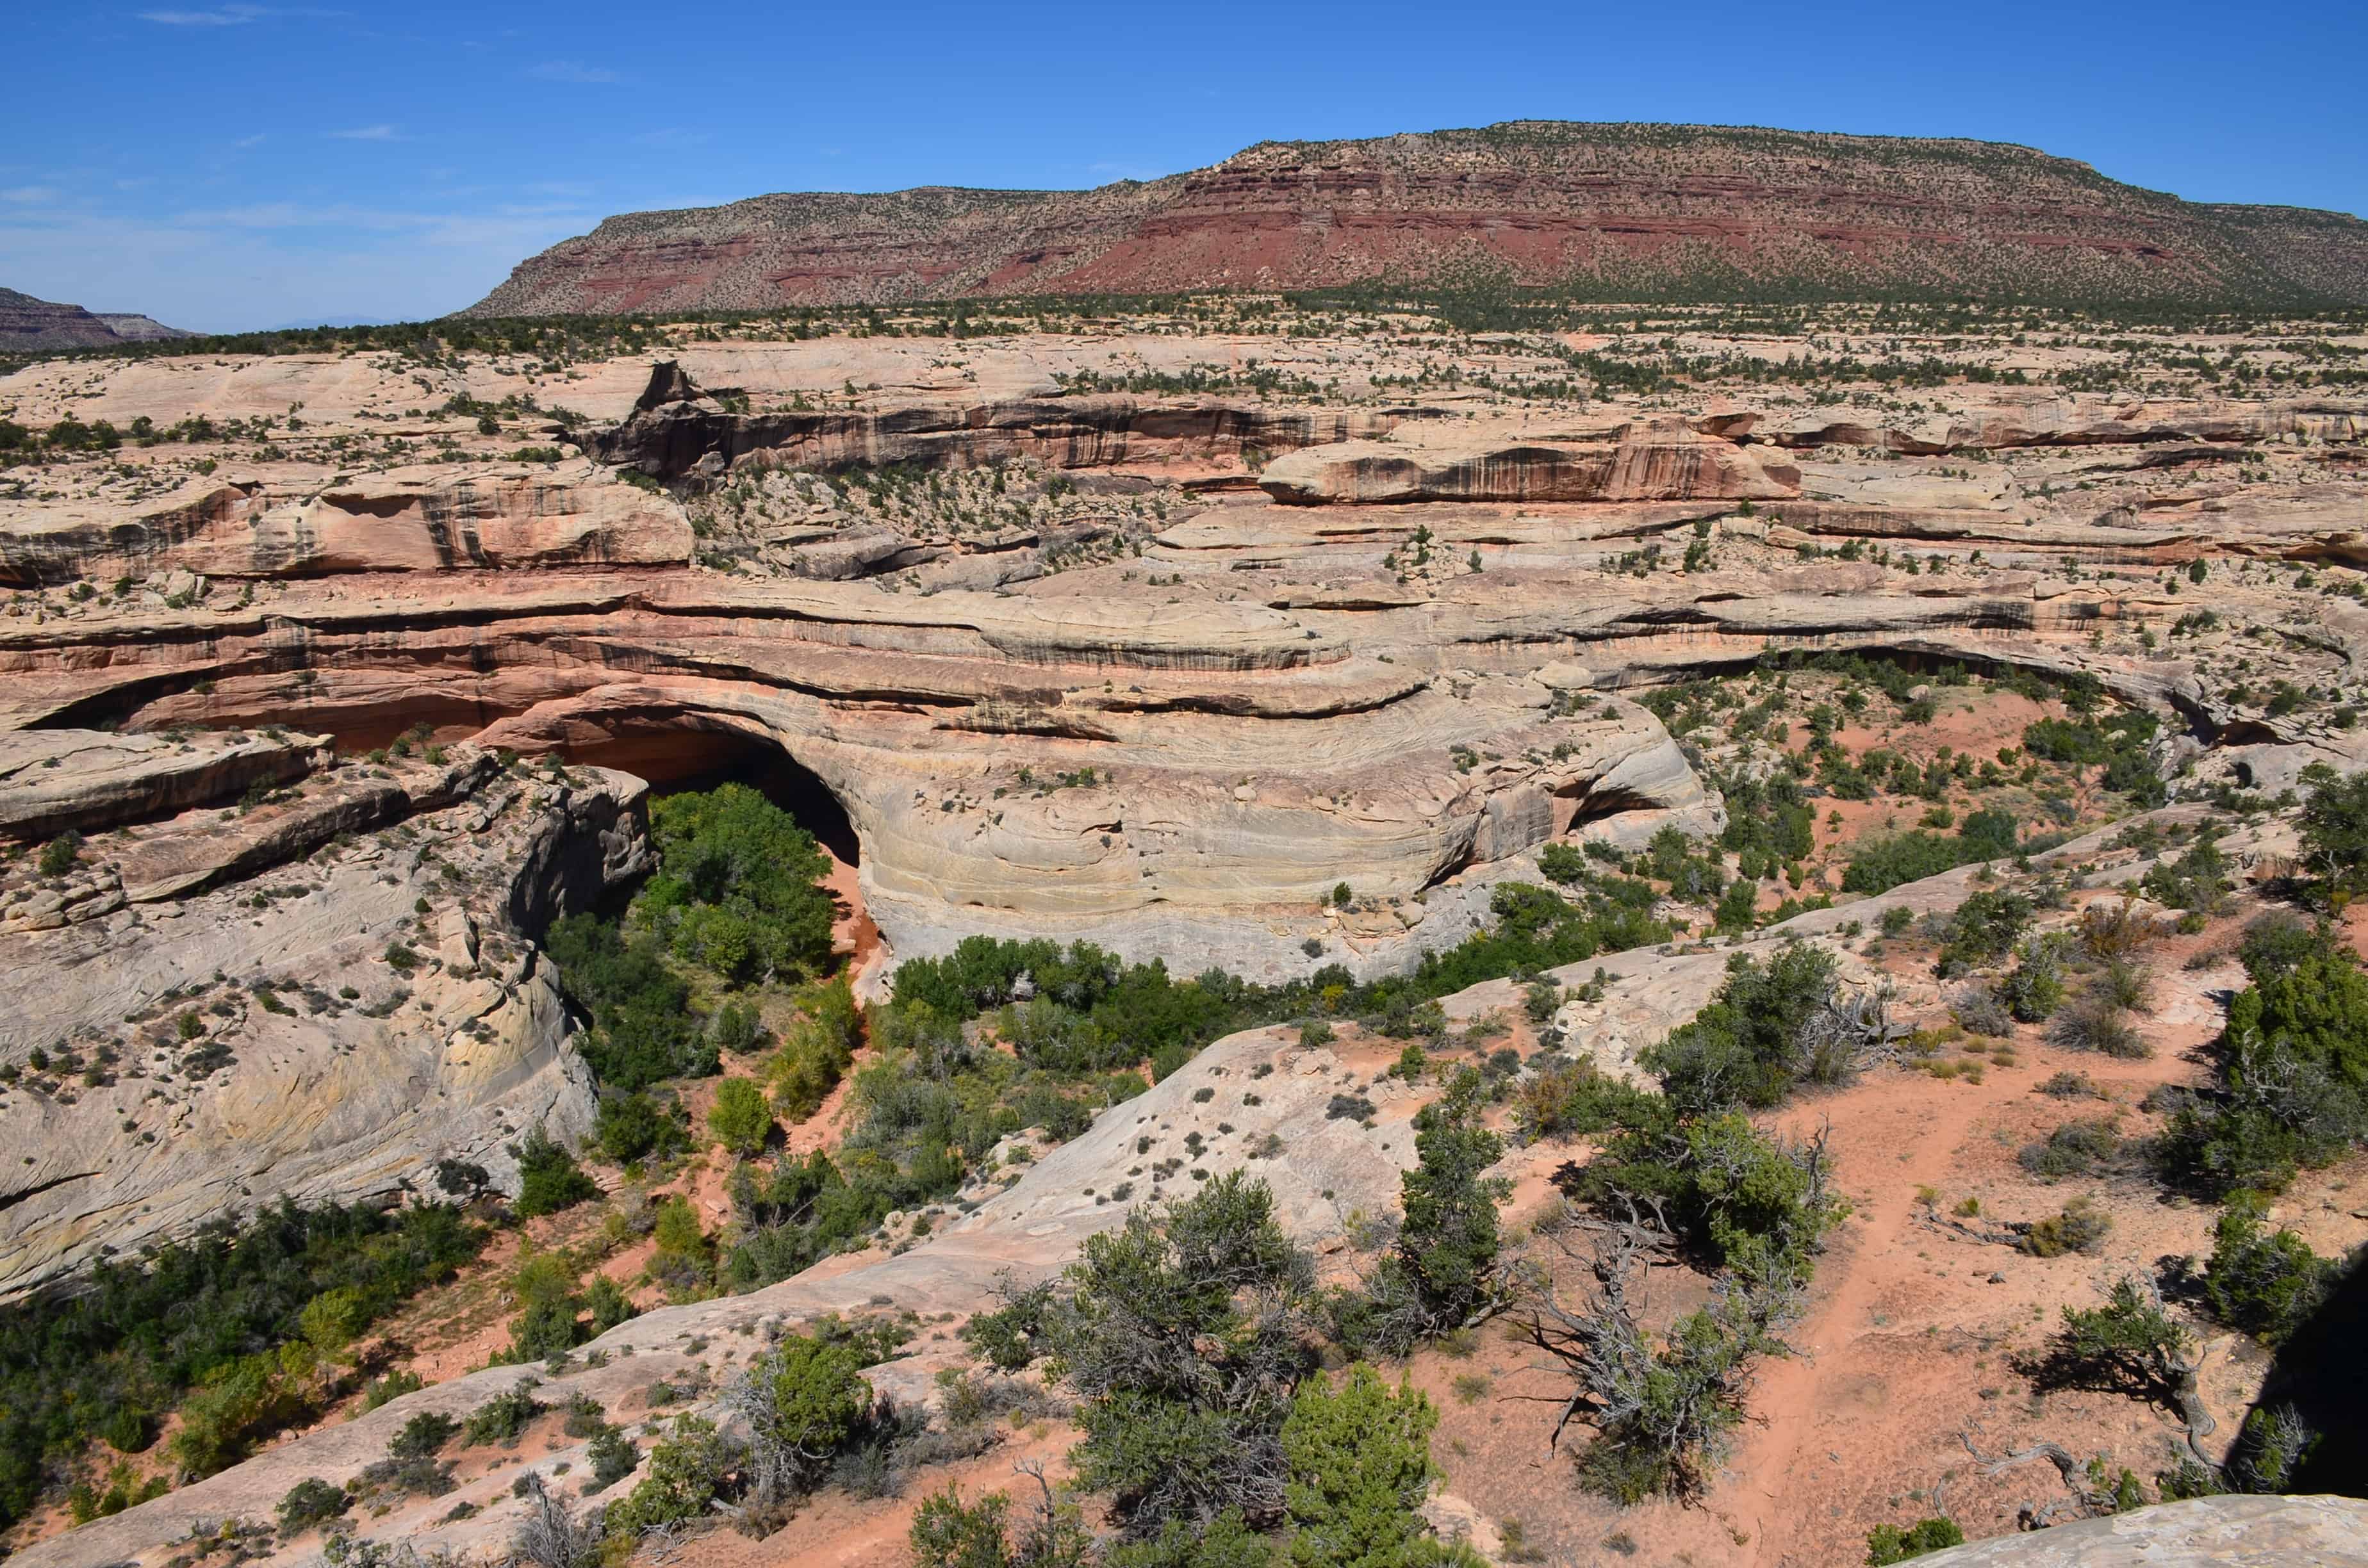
(365, 133)
(29, 193)
(673, 136)
(574, 72)
(228, 16)
(243, 142)
(221, 16)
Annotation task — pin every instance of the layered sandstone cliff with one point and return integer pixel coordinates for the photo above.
(318, 993)
(29, 325)
(1626, 211)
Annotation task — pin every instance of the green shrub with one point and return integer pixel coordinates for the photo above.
(2080, 1226)
(805, 1399)
(684, 1260)
(1889, 1544)
(505, 1417)
(632, 1127)
(311, 1502)
(2196, 881)
(1983, 930)
(1447, 1247)
(740, 1118)
(1754, 1041)
(1013, 1335)
(2076, 1148)
(236, 1404)
(817, 1052)
(2097, 1023)
(1913, 856)
(947, 1533)
(587, 1417)
(1184, 1332)
(394, 1386)
(2293, 1087)
(736, 1027)
(2129, 1342)
(1360, 1459)
(1574, 1098)
(548, 1178)
(423, 1436)
(2333, 828)
(1733, 1192)
(61, 853)
(2033, 989)
(2266, 1285)
(612, 1455)
(544, 1287)
(688, 1470)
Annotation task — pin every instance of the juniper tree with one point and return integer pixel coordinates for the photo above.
(1444, 1271)
(1186, 1331)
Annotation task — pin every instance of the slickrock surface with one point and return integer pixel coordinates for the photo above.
(2206, 1532)
(51, 780)
(1335, 1168)
(351, 1009)
(1637, 210)
(1266, 1111)
(1152, 634)
(1667, 460)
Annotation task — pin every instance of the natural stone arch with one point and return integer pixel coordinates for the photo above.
(700, 750)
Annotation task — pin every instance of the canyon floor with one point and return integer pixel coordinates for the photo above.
(349, 671)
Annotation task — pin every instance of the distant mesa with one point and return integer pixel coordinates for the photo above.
(1627, 212)
(37, 327)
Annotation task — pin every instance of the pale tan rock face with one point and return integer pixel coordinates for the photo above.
(283, 1084)
(1335, 1167)
(429, 518)
(1170, 711)
(1664, 459)
(54, 780)
(2206, 1532)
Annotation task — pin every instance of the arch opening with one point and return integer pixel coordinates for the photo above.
(693, 755)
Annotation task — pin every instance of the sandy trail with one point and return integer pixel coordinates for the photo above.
(1918, 1132)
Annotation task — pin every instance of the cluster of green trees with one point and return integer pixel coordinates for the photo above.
(231, 1327)
(2118, 746)
(2291, 1086)
(2289, 1091)
(1187, 1333)
(1688, 1168)
(1082, 1024)
(736, 900)
(1988, 834)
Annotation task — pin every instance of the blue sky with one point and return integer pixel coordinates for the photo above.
(230, 165)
